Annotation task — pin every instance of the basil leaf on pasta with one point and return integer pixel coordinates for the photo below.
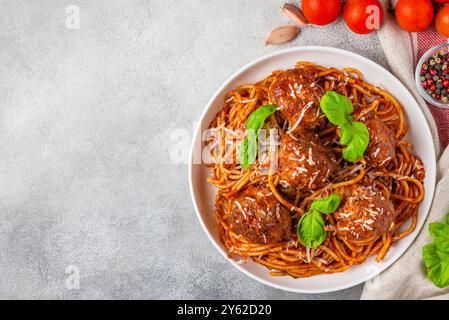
(256, 119)
(354, 135)
(337, 108)
(356, 139)
(311, 229)
(327, 205)
(248, 148)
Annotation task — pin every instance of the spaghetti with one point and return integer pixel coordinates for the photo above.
(401, 180)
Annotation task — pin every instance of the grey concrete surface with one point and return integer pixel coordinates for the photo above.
(86, 115)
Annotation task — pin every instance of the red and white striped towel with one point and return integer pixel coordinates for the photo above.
(420, 43)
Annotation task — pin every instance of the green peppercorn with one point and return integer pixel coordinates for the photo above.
(435, 78)
(433, 95)
(445, 99)
(438, 67)
(432, 62)
(425, 66)
(429, 91)
(428, 76)
(438, 60)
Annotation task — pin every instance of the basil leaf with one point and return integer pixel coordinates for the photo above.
(248, 148)
(337, 108)
(431, 258)
(354, 135)
(244, 157)
(311, 229)
(256, 119)
(358, 135)
(436, 254)
(437, 264)
(311, 225)
(346, 134)
(327, 205)
(442, 244)
(437, 229)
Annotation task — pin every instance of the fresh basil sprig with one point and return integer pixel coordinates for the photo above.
(326, 205)
(311, 225)
(353, 134)
(436, 254)
(248, 148)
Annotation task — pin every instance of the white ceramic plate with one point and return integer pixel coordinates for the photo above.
(203, 194)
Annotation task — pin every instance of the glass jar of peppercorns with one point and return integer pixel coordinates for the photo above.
(432, 76)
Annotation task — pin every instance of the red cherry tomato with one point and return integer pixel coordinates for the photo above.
(363, 16)
(321, 12)
(414, 15)
(442, 22)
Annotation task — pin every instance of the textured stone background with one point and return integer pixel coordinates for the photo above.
(86, 116)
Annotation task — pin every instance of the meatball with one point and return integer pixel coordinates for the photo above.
(304, 163)
(257, 215)
(381, 148)
(298, 97)
(364, 213)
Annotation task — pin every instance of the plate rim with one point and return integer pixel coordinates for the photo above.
(196, 132)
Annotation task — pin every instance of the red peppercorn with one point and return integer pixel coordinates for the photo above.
(424, 84)
(445, 83)
(433, 72)
(429, 82)
(433, 87)
(437, 96)
(423, 72)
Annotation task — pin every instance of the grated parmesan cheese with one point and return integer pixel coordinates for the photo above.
(301, 115)
(241, 209)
